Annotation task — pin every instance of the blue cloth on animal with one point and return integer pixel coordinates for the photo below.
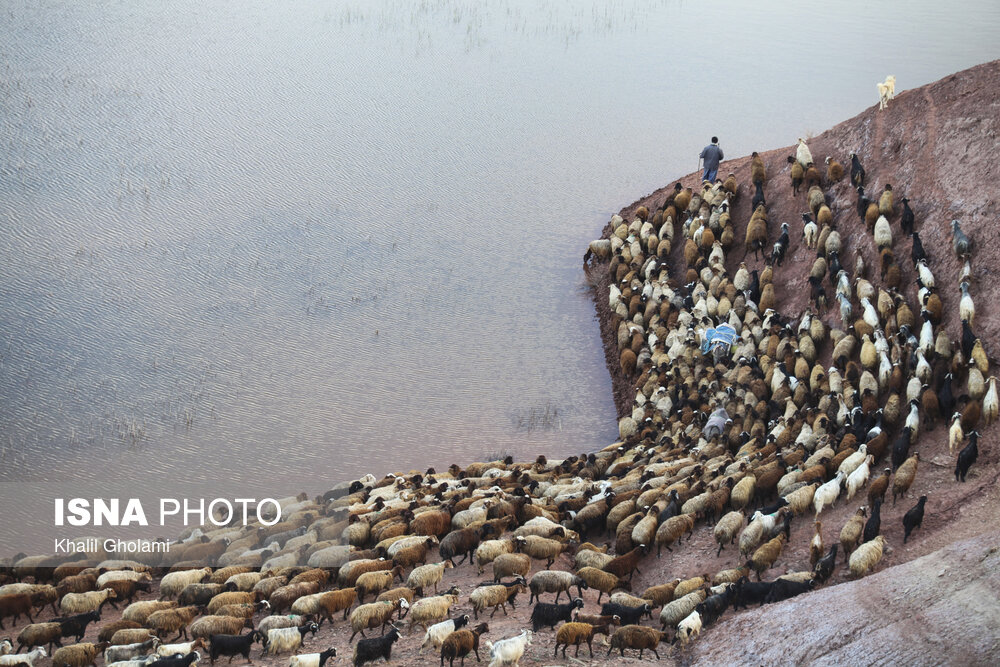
(716, 424)
(723, 335)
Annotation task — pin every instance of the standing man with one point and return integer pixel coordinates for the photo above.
(712, 155)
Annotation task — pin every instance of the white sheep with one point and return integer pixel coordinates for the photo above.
(174, 582)
(166, 650)
(689, 628)
(121, 575)
(509, 651)
(802, 154)
(79, 603)
(28, 658)
(886, 91)
(827, 494)
(312, 659)
(851, 463)
(859, 476)
(283, 640)
(6, 647)
(431, 610)
(436, 634)
(882, 233)
(141, 662)
(131, 651)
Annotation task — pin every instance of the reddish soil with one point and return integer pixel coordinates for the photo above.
(935, 145)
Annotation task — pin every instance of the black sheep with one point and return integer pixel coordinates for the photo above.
(370, 650)
(874, 524)
(77, 625)
(749, 592)
(835, 267)
(913, 518)
(233, 645)
(825, 565)
(546, 614)
(628, 615)
(786, 588)
(917, 249)
(908, 220)
(968, 339)
(863, 201)
(462, 543)
(946, 399)
(967, 457)
(774, 507)
(672, 509)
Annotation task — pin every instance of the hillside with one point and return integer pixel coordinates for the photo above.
(937, 146)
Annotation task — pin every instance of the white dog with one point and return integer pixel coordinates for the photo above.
(886, 91)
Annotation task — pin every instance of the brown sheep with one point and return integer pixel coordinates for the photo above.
(636, 637)
(766, 555)
(626, 564)
(462, 642)
(78, 655)
(163, 622)
(15, 605)
(850, 534)
(603, 582)
(672, 530)
(431, 522)
(905, 475)
(108, 630)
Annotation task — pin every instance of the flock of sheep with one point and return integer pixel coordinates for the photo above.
(738, 435)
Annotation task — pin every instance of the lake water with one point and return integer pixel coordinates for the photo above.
(252, 248)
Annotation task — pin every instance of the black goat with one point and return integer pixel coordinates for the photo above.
(629, 615)
(749, 592)
(908, 220)
(786, 588)
(874, 524)
(233, 645)
(77, 625)
(714, 606)
(913, 518)
(825, 565)
(546, 614)
(967, 457)
(176, 660)
(857, 171)
(780, 246)
(370, 650)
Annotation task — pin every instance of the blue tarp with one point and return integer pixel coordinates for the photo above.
(721, 336)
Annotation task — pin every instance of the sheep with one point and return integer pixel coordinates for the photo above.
(601, 581)
(489, 550)
(323, 606)
(834, 170)
(280, 600)
(816, 544)
(286, 621)
(375, 582)
(826, 495)
(507, 652)
(77, 583)
(462, 642)
(77, 655)
(172, 620)
(426, 576)
(138, 612)
(727, 528)
(636, 637)
(905, 475)
(370, 650)
(198, 594)
(765, 556)
(756, 235)
(802, 154)
(689, 628)
(965, 459)
(511, 565)
(40, 594)
(796, 172)
(433, 609)
(462, 542)
(554, 581)
(206, 626)
(14, 659)
(173, 583)
(15, 605)
(131, 651)
(350, 571)
(882, 233)
(312, 659)
(287, 640)
(496, 596)
(129, 636)
(574, 633)
(866, 556)
(672, 530)
(40, 634)
(375, 614)
(548, 614)
(859, 476)
(436, 634)
(540, 548)
(78, 603)
(167, 650)
(886, 91)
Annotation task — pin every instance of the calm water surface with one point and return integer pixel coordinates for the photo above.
(252, 248)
